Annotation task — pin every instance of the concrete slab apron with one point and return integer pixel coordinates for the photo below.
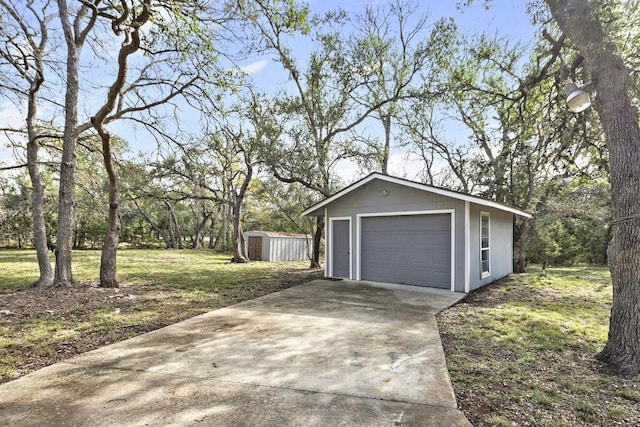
(324, 353)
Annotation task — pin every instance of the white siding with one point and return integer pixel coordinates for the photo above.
(288, 249)
(277, 247)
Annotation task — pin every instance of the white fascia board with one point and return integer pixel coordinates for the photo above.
(467, 247)
(327, 260)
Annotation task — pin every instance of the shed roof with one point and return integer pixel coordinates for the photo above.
(280, 234)
(317, 209)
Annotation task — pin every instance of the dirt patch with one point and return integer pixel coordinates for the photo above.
(41, 326)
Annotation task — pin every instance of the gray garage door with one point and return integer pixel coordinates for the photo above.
(412, 249)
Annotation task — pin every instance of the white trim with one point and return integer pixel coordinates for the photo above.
(483, 274)
(326, 255)
(408, 213)
(453, 250)
(330, 255)
(467, 247)
(451, 212)
(418, 186)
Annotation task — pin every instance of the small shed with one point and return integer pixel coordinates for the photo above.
(276, 246)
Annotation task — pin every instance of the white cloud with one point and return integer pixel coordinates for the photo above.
(10, 117)
(349, 171)
(401, 164)
(407, 165)
(254, 67)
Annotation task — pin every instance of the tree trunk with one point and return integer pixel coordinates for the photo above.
(37, 198)
(623, 138)
(171, 227)
(159, 233)
(198, 239)
(239, 246)
(75, 35)
(212, 235)
(63, 274)
(317, 237)
(224, 229)
(108, 261)
(174, 227)
(579, 20)
(28, 62)
(80, 235)
(386, 122)
(200, 229)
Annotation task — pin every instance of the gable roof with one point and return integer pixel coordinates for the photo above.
(316, 210)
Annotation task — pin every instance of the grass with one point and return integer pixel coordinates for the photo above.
(521, 352)
(191, 270)
(158, 287)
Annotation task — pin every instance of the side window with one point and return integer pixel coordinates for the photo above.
(484, 245)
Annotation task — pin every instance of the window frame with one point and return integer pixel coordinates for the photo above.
(485, 273)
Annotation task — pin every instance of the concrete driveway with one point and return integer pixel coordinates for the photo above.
(326, 353)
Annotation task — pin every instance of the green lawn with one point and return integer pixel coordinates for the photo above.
(201, 270)
(520, 352)
(158, 287)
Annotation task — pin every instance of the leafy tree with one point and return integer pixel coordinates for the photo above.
(327, 99)
(401, 57)
(595, 31)
(129, 21)
(220, 168)
(15, 218)
(573, 224)
(582, 22)
(277, 206)
(153, 199)
(76, 26)
(159, 78)
(514, 152)
(25, 38)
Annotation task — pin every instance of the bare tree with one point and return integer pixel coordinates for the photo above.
(402, 56)
(25, 42)
(326, 103)
(129, 22)
(162, 80)
(76, 27)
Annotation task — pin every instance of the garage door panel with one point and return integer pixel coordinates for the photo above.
(412, 249)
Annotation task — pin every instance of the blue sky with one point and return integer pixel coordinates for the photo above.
(505, 18)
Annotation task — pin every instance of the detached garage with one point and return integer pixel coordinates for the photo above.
(275, 246)
(387, 229)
